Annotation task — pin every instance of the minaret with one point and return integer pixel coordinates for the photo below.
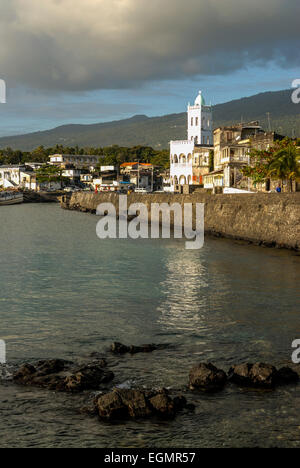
(200, 128)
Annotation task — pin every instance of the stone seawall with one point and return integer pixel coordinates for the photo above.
(263, 219)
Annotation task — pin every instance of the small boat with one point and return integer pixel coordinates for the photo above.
(7, 198)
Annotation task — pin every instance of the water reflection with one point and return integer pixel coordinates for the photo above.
(185, 292)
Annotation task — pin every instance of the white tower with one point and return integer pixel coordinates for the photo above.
(200, 126)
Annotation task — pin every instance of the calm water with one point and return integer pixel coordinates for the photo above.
(65, 293)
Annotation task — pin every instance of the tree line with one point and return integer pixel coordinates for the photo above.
(111, 155)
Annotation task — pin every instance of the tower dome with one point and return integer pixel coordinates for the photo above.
(200, 101)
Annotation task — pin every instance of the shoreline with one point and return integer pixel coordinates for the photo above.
(267, 220)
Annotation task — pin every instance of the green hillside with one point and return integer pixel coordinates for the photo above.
(158, 131)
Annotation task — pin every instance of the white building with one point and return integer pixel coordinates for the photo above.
(200, 134)
(17, 176)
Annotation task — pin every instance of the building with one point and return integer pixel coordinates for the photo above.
(189, 159)
(77, 160)
(17, 176)
(107, 179)
(232, 145)
(141, 175)
(201, 163)
(73, 174)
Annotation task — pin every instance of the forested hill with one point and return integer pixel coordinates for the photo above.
(158, 131)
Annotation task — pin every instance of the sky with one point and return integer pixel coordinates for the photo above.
(74, 61)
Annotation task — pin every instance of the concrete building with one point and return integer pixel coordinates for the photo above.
(187, 157)
(17, 176)
(201, 163)
(232, 147)
(141, 175)
(78, 160)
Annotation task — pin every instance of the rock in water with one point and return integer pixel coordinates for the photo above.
(119, 348)
(87, 378)
(263, 375)
(63, 376)
(111, 407)
(286, 376)
(258, 375)
(136, 403)
(53, 366)
(163, 405)
(207, 378)
(123, 404)
(24, 374)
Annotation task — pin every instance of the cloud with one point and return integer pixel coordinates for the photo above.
(78, 45)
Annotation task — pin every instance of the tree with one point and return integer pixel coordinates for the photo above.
(285, 164)
(49, 174)
(279, 162)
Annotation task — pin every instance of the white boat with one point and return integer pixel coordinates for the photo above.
(7, 198)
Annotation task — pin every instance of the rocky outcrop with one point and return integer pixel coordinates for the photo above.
(42, 197)
(261, 375)
(137, 404)
(63, 376)
(119, 348)
(207, 378)
(267, 219)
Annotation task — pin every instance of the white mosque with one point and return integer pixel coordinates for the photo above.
(200, 134)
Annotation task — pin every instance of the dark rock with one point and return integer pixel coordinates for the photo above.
(97, 357)
(147, 348)
(163, 405)
(62, 375)
(24, 374)
(119, 348)
(89, 410)
(207, 377)
(53, 366)
(136, 404)
(263, 375)
(87, 378)
(286, 375)
(180, 403)
(240, 374)
(53, 382)
(253, 375)
(111, 407)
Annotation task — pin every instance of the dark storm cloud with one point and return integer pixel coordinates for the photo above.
(93, 44)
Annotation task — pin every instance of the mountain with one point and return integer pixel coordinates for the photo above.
(158, 131)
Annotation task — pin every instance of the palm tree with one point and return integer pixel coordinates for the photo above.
(285, 164)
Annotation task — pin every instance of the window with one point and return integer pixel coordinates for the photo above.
(192, 121)
(197, 121)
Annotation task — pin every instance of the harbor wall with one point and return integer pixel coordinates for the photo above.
(271, 220)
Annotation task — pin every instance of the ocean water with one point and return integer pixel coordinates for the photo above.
(65, 293)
